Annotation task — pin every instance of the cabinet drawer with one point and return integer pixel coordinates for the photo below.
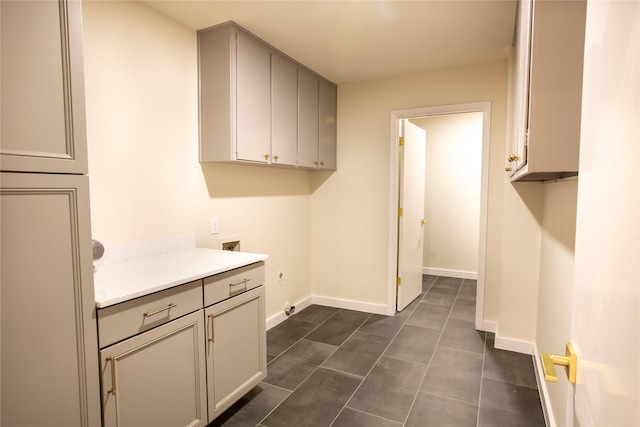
(129, 318)
(225, 285)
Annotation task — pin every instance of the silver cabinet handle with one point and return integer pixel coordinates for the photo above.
(169, 307)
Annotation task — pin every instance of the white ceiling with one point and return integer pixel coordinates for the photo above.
(348, 41)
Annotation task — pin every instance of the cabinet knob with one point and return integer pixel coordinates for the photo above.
(321, 163)
(508, 169)
(513, 157)
(316, 163)
(276, 157)
(266, 156)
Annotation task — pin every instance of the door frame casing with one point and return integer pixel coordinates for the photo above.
(394, 180)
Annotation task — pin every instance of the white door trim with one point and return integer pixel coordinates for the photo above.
(396, 115)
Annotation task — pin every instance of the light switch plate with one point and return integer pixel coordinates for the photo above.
(215, 225)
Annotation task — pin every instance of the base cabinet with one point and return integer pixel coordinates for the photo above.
(183, 355)
(157, 378)
(236, 348)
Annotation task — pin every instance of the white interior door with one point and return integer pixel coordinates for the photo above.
(606, 296)
(410, 223)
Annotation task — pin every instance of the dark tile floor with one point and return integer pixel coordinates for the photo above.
(425, 366)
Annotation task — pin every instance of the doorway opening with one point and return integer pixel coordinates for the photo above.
(396, 259)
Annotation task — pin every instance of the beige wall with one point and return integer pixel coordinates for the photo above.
(522, 215)
(350, 208)
(453, 167)
(606, 283)
(328, 231)
(146, 182)
(556, 282)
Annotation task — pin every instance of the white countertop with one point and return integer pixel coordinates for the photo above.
(124, 280)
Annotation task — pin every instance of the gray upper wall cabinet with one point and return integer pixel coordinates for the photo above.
(258, 106)
(43, 127)
(546, 100)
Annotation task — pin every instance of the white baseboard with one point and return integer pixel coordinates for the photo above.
(547, 410)
(328, 302)
(487, 326)
(530, 348)
(281, 317)
(350, 305)
(460, 274)
(511, 344)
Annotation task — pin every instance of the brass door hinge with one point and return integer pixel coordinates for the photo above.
(400, 212)
(398, 281)
(401, 141)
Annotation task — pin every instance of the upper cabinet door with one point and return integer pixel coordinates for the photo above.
(284, 111)
(307, 120)
(42, 85)
(520, 100)
(327, 126)
(253, 100)
(547, 92)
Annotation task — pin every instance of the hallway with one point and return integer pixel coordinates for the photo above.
(424, 366)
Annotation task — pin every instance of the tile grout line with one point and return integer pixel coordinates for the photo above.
(284, 351)
(373, 366)
(357, 381)
(301, 338)
(484, 356)
(318, 367)
(403, 324)
(434, 350)
(364, 378)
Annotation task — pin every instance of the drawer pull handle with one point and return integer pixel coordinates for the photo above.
(169, 307)
(212, 337)
(242, 282)
(112, 390)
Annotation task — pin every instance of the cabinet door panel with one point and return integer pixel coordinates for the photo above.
(253, 100)
(157, 378)
(307, 120)
(284, 115)
(327, 126)
(49, 341)
(43, 118)
(546, 94)
(520, 101)
(236, 348)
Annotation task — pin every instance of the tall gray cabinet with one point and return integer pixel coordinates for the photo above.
(48, 341)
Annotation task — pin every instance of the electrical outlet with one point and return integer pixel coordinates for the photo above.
(215, 225)
(280, 274)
